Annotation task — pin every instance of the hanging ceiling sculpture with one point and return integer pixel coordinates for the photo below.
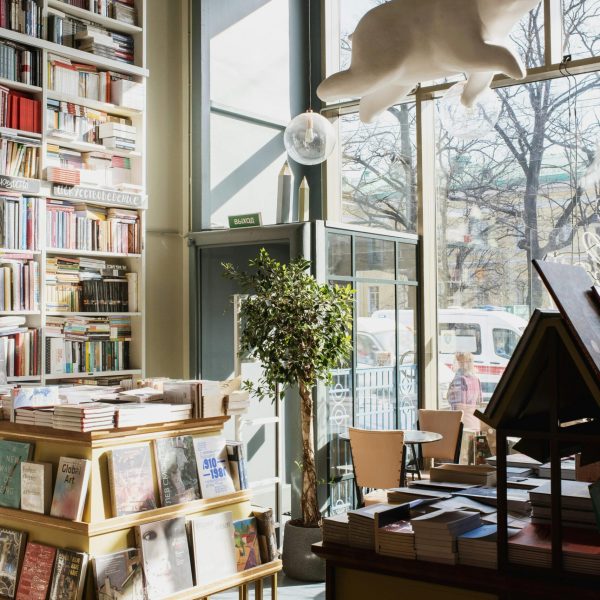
(400, 43)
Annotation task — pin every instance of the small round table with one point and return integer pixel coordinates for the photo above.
(412, 438)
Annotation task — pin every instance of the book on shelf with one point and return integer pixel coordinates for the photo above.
(213, 547)
(474, 474)
(19, 284)
(23, 16)
(267, 540)
(70, 568)
(176, 469)
(36, 572)
(247, 551)
(165, 556)
(19, 111)
(119, 575)
(36, 486)
(20, 63)
(213, 466)
(12, 549)
(237, 464)
(130, 478)
(479, 547)
(19, 216)
(19, 156)
(70, 489)
(12, 454)
(19, 350)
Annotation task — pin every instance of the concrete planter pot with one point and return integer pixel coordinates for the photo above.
(299, 562)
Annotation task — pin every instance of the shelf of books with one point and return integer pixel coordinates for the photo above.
(72, 188)
(157, 511)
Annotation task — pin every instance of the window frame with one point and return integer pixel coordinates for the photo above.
(424, 98)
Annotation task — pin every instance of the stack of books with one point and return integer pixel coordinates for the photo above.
(436, 533)
(576, 505)
(122, 10)
(136, 414)
(336, 530)
(408, 494)
(396, 539)
(93, 416)
(19, 284)
(20, 63)
(19, 219)
(483, 475)
(517, 499)
(479, 548)
(567, 469)
(119, 136)
(517, 460)
(124, 47)
(73, 121)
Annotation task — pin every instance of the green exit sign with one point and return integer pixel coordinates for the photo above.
(251, 220)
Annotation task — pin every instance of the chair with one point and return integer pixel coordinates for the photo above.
(378, 459)
(449, 424)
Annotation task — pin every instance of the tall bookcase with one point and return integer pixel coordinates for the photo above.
(42, 189)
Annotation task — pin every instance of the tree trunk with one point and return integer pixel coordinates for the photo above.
(311, 515)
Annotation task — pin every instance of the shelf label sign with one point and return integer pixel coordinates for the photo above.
(18, 184)
(251, 220)
(100, 195)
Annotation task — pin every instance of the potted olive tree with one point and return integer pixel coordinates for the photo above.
(299, 330)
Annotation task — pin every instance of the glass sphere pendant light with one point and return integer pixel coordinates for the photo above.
(309, 138)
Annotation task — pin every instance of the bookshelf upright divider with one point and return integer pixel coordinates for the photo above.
(44, 188)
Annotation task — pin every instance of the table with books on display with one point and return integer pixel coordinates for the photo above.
(94, 508)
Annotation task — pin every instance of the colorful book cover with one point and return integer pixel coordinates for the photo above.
(247, 552)
(131, 481)
(12, 454)
(214, 550)
(118, 576)
(70, 489)
(213, 466)
(12, 547)
(68, 575)
(177, 470)
(36, 572)
(165, 557)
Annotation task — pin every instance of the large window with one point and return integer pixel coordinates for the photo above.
(527, 189)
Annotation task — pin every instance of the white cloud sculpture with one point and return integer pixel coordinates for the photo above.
(403, 42)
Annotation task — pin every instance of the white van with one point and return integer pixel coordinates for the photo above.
(489, 335)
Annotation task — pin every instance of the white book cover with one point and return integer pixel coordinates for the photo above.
(214, 551)
(213, 467)
(36, 487)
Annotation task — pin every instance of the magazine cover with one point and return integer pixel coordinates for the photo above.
(12, 547)
(246, 544)
(177, 470)
(213, 466)
(165, 557)
(131, 482)
(118, 576)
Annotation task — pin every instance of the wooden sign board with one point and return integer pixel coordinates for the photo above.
(19, 184)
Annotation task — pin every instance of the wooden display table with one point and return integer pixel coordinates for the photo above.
(356, 574)
(99, 532)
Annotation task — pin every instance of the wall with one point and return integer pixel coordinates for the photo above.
(167, 306)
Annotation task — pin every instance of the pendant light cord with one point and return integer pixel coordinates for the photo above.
(309, 62)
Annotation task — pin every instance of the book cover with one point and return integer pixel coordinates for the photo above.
(36, 572)
(131, 481)
(70, 489)
(247, 552)
(213, 466)
(36, 487)
(214, 551)
(68, 575)
(12, 454)
(177, 470)
(118, 576)
(237, 464)
(165, 557)
(12, 547)
(267, 541)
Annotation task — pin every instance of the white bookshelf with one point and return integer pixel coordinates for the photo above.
(134, 262)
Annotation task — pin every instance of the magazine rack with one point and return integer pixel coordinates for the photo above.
(99, 532)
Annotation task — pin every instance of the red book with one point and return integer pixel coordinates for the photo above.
(14, 112)
(36, 572)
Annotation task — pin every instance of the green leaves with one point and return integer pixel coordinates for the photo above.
(297, 328)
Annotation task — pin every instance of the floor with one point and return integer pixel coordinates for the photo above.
(289, 589)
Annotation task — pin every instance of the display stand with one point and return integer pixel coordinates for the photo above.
(99, 532)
